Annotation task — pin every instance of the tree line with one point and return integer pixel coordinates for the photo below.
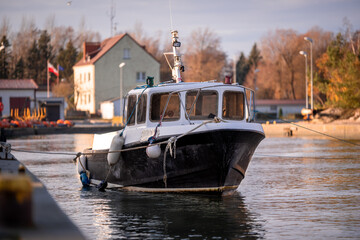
(274, 66)
(278, 69)
(26, 52)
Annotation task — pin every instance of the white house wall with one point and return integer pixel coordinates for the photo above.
(42, 94)
(286, 109)
(6, 94)
(107, 110)
(107, 73)
(84, 88)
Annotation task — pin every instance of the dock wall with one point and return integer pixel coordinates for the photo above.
(21, 132)
(343, 131)
(27, 210)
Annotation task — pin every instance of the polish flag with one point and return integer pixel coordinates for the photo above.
(52, 69)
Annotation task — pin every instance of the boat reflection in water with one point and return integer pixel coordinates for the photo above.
(160, 216)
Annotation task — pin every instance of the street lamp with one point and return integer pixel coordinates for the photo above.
(234, 70)
(311, 69)
(121, 84)
(255, 73)
(306, 82)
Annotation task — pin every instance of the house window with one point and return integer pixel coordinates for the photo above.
(89, 77)
(89, 97)
(273, 107)
(140, 76)
(126, 53)
(80, 77)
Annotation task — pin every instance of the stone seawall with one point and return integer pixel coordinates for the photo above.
(91, 129)
(343, 131)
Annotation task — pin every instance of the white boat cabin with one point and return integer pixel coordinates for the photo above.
(188, 103)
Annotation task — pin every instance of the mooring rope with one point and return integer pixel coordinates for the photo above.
(44, 152)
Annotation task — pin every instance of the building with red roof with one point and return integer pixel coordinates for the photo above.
(25, 93)
(17, 93)
(97, 74)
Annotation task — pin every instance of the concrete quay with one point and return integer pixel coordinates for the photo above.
(79, 127)
(27, 211)
(348, 131)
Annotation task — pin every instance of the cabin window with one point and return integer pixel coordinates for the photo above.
(205, 106)
(233, 105)
(141, 109)
(130, 107)
(158, 103)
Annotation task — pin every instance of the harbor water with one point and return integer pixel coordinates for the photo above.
(295, 188)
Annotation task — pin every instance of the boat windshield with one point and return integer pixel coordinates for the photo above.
(233, 105)
(141, 109)
(158, 103)
(204, 106)
(130, 106)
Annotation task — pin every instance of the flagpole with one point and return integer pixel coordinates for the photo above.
(47, 74)
(57, 79)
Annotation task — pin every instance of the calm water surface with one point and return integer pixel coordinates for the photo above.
(294, 189)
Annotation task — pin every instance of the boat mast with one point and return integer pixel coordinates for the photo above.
(178, 67)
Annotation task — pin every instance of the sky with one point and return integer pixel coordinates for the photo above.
(238, 23)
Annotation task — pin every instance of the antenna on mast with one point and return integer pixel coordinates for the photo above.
(112, 16)
(171, 22)
(178, 67)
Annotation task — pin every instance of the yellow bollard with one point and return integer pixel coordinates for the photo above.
(15, 200)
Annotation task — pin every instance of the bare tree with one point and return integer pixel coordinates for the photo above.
(281, 49)
(154, 46)
(22, 40)
(85, 35)
(152, 43)
(5, 27)
(204, 59)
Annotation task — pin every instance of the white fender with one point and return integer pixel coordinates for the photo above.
(116, 145)
(83, 160)
(153, 151)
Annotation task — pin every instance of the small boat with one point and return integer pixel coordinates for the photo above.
(178, 137)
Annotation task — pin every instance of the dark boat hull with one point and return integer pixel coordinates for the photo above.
(210, 161)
